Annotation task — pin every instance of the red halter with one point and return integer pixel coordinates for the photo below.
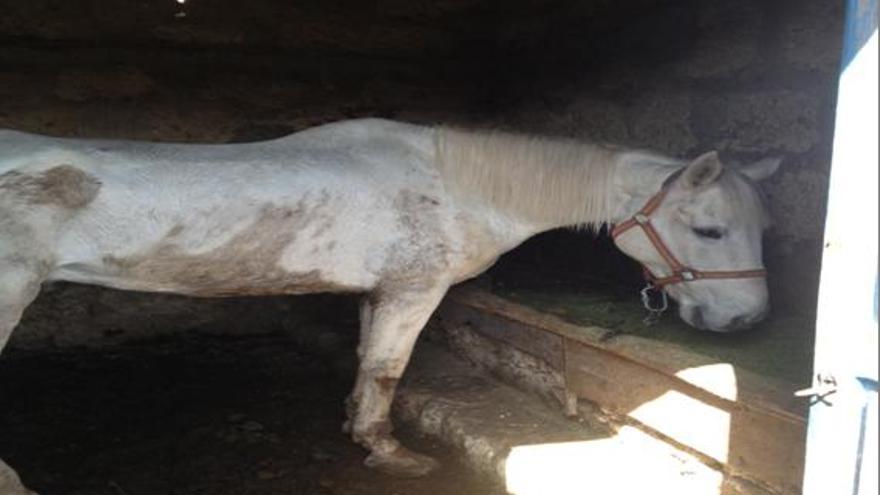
(680, 272)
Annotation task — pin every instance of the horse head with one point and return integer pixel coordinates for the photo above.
(700, 240)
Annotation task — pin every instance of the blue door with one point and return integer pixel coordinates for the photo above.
(842, 433)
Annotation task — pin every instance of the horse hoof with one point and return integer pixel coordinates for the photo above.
(401, 462)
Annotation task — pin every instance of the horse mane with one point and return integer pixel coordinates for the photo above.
(545, 180)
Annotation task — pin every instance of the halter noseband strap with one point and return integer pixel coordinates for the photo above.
(680, 272)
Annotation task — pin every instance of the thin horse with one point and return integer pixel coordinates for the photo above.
(393, 211)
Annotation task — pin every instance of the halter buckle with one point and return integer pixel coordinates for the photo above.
(688, 275)
(641, 218)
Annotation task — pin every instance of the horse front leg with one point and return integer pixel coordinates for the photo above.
(395, 320)
(19, 285)
(366, 321)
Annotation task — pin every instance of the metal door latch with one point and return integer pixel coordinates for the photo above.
(824, 386)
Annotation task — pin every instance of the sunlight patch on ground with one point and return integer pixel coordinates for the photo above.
(631, 462)
(694, 423)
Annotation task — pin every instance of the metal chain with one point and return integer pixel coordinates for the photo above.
(654, 311)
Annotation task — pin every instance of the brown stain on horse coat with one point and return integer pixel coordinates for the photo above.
(421, 254)
(248, 264)
(64, 185)
(387, 384)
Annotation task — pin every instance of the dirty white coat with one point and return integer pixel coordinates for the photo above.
(394, 211)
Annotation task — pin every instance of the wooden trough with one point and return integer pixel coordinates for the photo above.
(728, 398)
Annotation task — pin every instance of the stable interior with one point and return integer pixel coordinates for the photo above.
(750, 79)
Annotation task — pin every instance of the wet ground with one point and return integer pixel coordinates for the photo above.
(195, 415)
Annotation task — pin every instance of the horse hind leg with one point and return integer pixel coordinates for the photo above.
(395, 321)
(10, 484)
(19, 285)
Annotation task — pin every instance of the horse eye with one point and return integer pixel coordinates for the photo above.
(709, 232)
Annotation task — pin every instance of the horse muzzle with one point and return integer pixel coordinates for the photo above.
(697, 317)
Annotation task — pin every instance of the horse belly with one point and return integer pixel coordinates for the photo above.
(275, 249)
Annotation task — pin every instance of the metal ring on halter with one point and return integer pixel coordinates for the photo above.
(654, 312)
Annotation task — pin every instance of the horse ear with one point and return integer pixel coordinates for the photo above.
(762, 169)
(703, 171)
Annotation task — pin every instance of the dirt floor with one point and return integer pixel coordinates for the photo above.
(195, 415)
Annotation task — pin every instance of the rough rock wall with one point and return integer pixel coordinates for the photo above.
(748, 78)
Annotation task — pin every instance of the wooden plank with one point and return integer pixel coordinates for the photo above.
(767, 394)
(654, 399)
(767, 447)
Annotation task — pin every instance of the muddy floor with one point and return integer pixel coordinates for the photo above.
(195, 415)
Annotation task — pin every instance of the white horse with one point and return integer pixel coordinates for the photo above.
(394, 211)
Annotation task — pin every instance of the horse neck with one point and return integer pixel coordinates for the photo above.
(543, 184)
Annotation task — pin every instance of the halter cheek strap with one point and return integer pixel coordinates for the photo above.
(680, 272)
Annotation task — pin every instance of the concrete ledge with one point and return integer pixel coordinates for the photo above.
(531, 447)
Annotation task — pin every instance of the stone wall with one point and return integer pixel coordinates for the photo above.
(747, 78)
